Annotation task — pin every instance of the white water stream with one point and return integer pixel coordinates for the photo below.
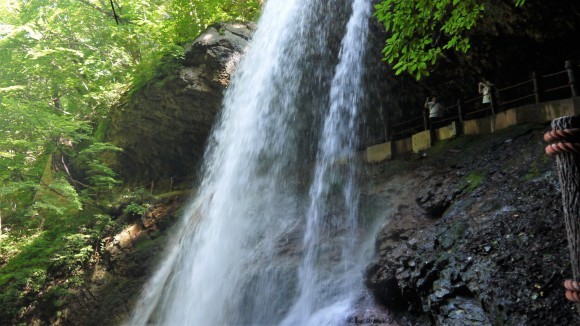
(272, 236)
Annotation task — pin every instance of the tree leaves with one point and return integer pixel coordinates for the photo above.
(421, 30)
(64, 63)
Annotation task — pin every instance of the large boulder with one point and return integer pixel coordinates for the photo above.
(163, 127)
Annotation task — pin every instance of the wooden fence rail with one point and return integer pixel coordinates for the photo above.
(553, 86)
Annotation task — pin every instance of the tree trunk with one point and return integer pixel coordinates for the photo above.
(568, 166)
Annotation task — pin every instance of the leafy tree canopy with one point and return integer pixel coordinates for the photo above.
(63, 63)
(420, 31)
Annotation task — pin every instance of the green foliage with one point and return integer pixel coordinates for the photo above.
(533, 173)
(537, 167)
(135, 209)
(64, 63)
(168, 25)
(420, 31)
(100, 176)
(473, 180)
(34, 260)
(58, 197)
(135, 203)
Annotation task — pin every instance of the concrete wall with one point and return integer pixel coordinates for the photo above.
(556, 109)
(421, 141)
(402, 146)
(533, 113)
(378, 153)
(446, 132)
(477, 126)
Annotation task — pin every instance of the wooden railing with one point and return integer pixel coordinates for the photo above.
(554, 86)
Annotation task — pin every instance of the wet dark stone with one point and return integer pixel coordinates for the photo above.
(496, 252)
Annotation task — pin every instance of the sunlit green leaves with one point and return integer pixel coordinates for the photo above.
(63, 65)
(421, 30)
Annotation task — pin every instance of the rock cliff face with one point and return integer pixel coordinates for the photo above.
(475, 234)
(163, 127)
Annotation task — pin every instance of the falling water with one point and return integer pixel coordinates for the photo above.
(326, 288)
(272, 236)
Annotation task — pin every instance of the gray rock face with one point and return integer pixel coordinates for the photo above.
(460, 250)
(165, 124)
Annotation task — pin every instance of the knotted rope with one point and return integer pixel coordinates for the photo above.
(567, 140)
(572, 290)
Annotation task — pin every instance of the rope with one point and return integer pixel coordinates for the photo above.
(572, 290)
(563, 141)
(559, 135)
(562, 147)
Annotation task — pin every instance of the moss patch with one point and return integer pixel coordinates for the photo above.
(473, 180)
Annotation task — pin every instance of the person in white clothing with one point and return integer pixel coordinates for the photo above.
(434, 108)
(484, 89)
(435, 112)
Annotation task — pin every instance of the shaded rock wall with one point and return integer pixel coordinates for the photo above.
(163, 127)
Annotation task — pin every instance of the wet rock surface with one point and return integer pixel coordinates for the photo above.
(476, 234)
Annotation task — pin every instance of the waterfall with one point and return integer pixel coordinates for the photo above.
(272, 236)
(331, 220)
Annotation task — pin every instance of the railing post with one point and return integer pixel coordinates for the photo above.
(493, 103)
(386, 131)
(460, 117)
(426, 120)
(536, 87)
(459, 111)
(570, 67)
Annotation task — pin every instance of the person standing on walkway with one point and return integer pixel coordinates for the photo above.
(435, 113)
(484, 88)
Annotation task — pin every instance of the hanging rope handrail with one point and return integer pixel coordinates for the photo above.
(447, 119)
(407, 122)
(556, 88)
(516, 85)
(555, 74)
(476, 111)
(478, 98)
(406, 131)
(517, 99)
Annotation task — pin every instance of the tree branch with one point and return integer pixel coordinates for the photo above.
(105, 12)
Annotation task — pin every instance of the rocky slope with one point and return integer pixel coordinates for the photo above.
(475, 235)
